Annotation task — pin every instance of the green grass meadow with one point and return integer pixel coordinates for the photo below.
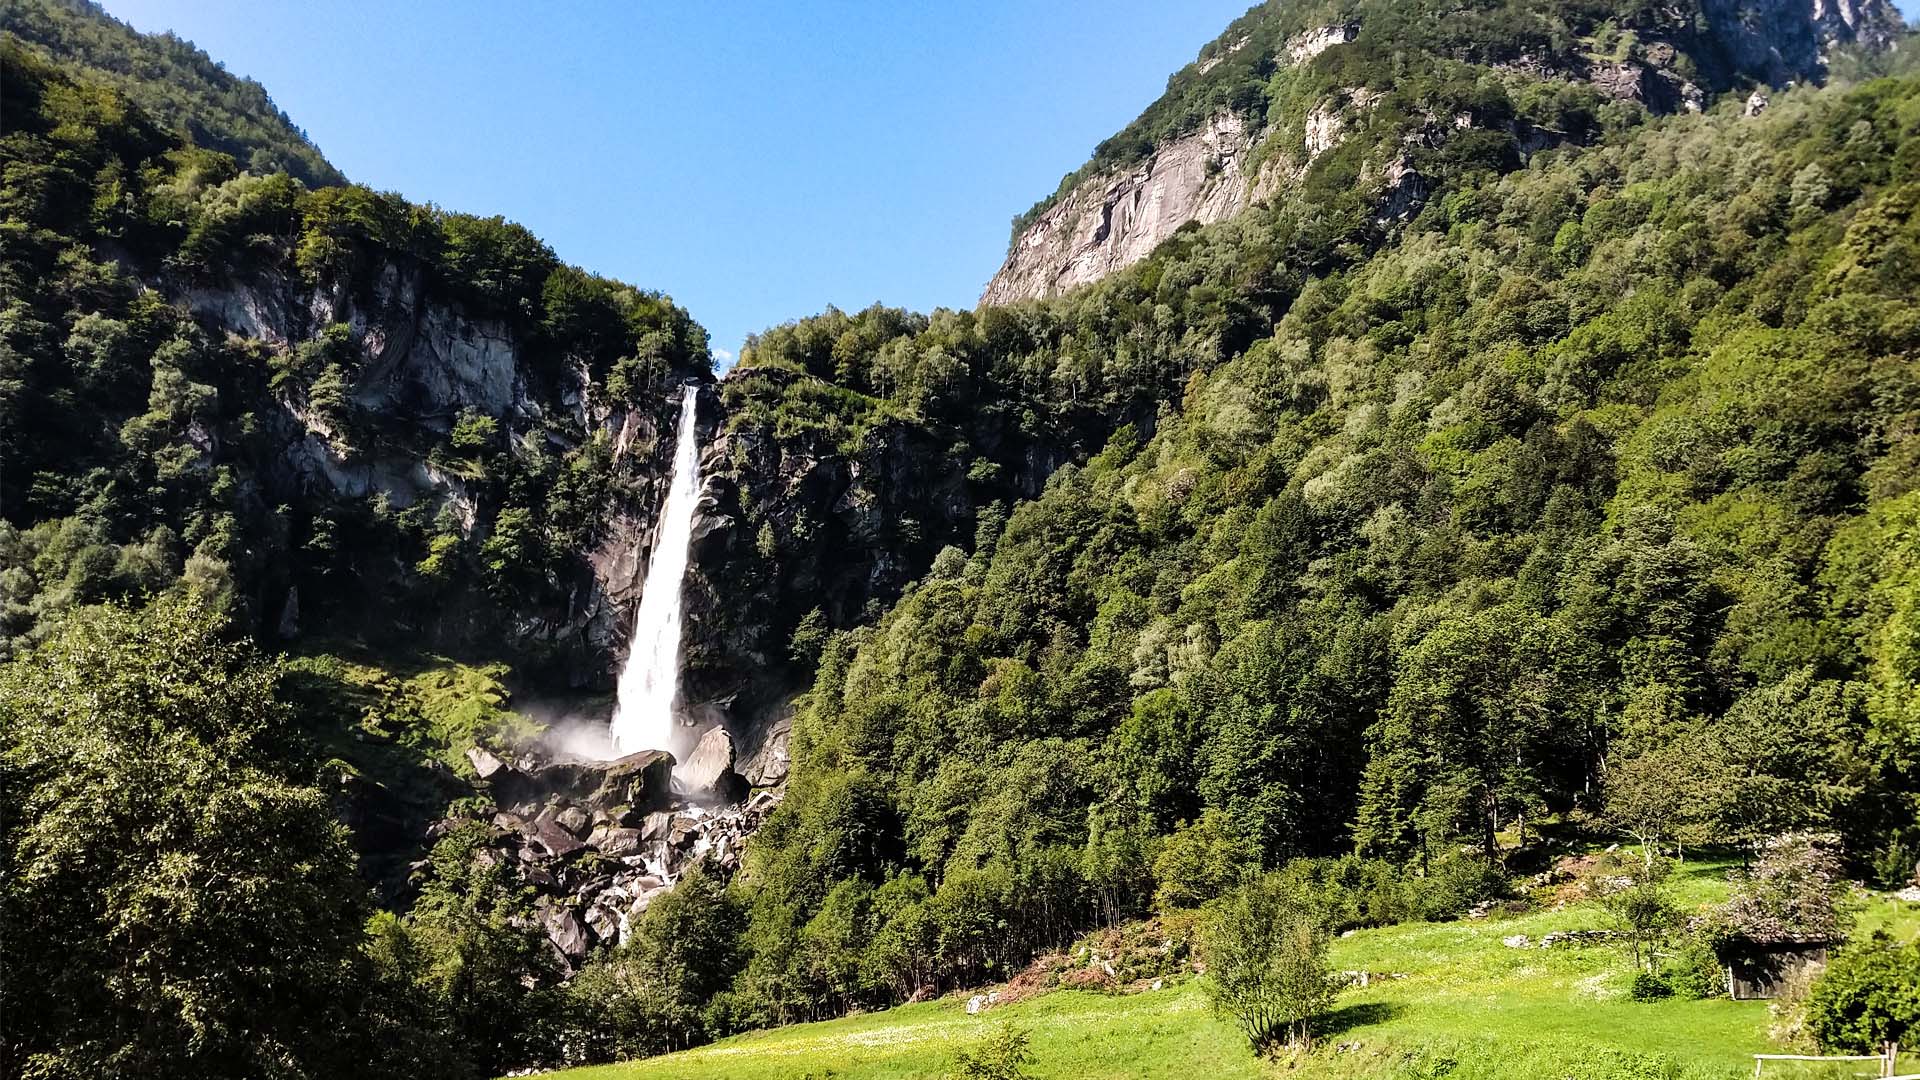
(1443, 1000)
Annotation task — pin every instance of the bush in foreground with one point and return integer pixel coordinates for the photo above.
(1869, 995)
(1266, 955)
(1001, 1054)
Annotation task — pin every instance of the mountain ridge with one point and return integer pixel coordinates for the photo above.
(1245, 120)
(176, 82)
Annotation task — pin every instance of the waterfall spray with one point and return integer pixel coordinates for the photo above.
(643, 718)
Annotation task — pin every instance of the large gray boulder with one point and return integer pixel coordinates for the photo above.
(564, 929)
(638, 781)
(708, 771)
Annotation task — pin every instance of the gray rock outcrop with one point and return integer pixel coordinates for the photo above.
(599, 840)
(1116, 219)
(708, 771)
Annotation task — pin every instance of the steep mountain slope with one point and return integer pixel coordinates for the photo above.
(861, 445)
(1598, 466)
(1289, 84)
(177, 84)
(1387, 527)
(286, 391)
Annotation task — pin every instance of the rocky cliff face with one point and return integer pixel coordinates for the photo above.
(420, 363)
(1117, 219)
(788, 525)
(797, 523)
(1678, 59)
(1784, 41)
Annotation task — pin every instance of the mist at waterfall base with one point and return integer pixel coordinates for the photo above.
(643, 719)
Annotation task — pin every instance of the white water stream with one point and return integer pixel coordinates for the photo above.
(644, 717)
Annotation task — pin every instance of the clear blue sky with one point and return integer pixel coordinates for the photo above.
(757, 161)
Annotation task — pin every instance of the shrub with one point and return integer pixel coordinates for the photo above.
(1649, 987)
(1267, 962)
(1200, 861)
(474, 432)
(1869, 995)
(1695, 971)
(1458, 882)
(1791, 893)
(1000, 1054)
(1788, 1010)
(1645, 911)
(1897, 863)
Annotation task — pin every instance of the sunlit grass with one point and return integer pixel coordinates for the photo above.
(1465, 1006)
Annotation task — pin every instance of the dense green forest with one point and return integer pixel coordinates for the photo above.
(179, 85)
(182, 897)
(1384, 557)
(1595, 477)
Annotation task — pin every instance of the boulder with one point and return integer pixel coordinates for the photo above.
(573, 819)
(770, 763)
(564, 929)
(642, 780)
(545, 837)
(615, 843)
(708, 771)
(485, 762)
(657, 825)
(684, 831)
(604, 922)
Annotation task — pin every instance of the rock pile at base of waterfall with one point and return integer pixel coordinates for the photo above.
(708, 771)
(599, 840)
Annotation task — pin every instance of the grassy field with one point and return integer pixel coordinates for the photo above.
(1444, 1000)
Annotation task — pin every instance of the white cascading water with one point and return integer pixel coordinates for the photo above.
(643, 717)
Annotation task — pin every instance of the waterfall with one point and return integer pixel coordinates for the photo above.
(643, 717)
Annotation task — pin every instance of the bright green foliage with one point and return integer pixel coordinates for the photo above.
(429, 706)
(1000, 1054)
(651, 995)
(1478, 524)
(174, 905)
(1868, 996)
(465, 983)
(1645, 915)
(1266, 953)
(473, 432)
(1317, 545)
(1468, 1007)
(177, 83)
(1200, 861)
(1424, 60)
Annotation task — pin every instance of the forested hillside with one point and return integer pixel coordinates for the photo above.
(179, 85)
(1592, 479)
(263, 450)
(1533, 468)
(1395, 97)
(1666, 58)
(223, 377)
